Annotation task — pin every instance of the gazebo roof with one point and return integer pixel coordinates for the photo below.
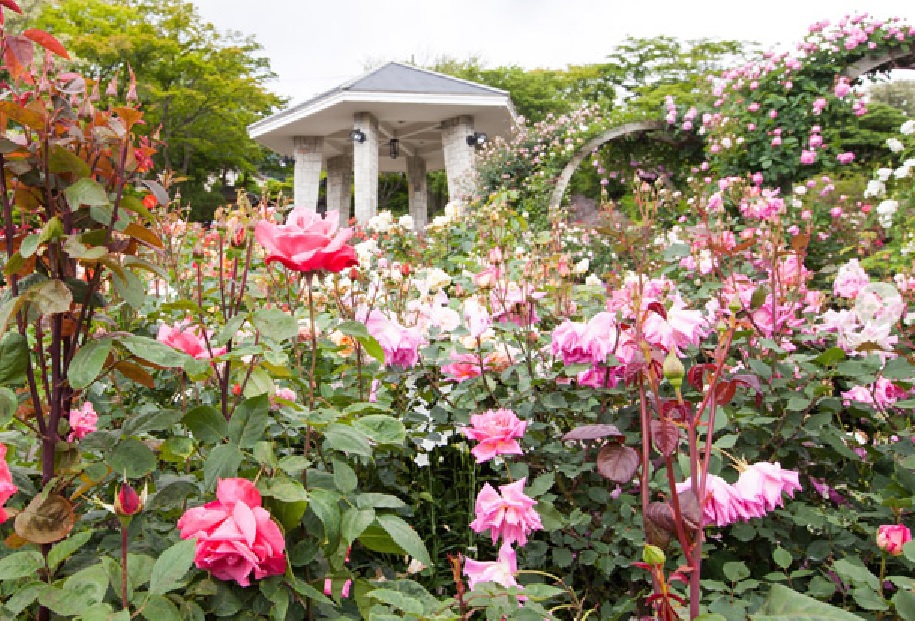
(409, 103)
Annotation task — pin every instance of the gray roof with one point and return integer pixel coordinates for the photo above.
(395, 77)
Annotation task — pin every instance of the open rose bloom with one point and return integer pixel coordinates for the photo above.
(307, 242)
(501, 571)
(186, 337)
(509, 514)
(82, 422)
(892, 537)
(495, 431)
(235, 535)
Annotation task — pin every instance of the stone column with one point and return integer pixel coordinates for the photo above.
(309, 151)
(459, 156)
(365, 167)
(340, 185)
(417, 191)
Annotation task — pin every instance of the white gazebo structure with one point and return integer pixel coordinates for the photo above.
(396, 118)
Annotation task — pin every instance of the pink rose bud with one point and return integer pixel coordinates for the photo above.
(892, 537)
(127, 503)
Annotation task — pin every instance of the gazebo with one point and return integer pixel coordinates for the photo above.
(396, 118)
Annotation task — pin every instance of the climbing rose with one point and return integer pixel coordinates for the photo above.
(235, 535)
(307, 242)
(187, 338)
(892, 537)
(495, 430)
(82, 422)
(501, 571)
(510, 515)
(7, 488)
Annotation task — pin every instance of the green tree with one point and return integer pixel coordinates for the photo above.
(200, 88)
(898, 93)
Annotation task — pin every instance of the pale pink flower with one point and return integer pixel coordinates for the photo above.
(682, 327)
(508, 514)
(764, 482)
(188, 338)
(401, 345)
(722, 504)
(82, 422)
(7, 488)
(501, 571)
(850, 279)
(476, 318)
(495, 431)
(808, 157)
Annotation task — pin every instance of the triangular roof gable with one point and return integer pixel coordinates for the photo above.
(398, 78)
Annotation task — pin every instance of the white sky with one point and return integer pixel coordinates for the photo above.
(314, 45)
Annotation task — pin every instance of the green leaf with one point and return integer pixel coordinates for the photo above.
(249, 421)
(404, 535)
(132, 457)
(228, 331)
(345, 479)
(52, 297)
(222, 462)
(29, 245)
(326, 505)
(130, 288)
(62, 550)
(382, 429)
(206, 423)
(14, 357)
(150, 420)
(904, 603)
(63, 160)
(856, 574)
(372, 347)
(20, 564)
(782, 557)
(347, 440)
(88, 363)
(52, 229)
(275, 324)
(377, 539)
(86, 192)
(735, 572)
(160, 608)
(8, 405)
(284, 489)
(831, 356)
(355, 329)
(542, 591)
(171, 566)
(909, 550)
(354, 523)
(398, 600)
(379, 501)
(784, 604)
(154, 351)
(541, 485)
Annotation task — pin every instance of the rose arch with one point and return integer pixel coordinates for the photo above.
(620, 131)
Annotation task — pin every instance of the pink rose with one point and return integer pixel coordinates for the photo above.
(501, 571)
(235, 535)
(82, 422)
(187, 338)
(401, 345)
(7, 489)
(495, 430)
(892, 537)
(509, 515)
(850, 280)
(307, 242)
(722, 504)
(762, 484)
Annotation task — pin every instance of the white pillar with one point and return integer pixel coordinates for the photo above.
(417, 192)
(340, 185)
(459, 156)
(309, 151)
(365, 167)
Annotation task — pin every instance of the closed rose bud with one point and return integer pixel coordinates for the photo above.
(354, 274)
(127, 502)
(405, 269)
(892, 537)
(653, 555)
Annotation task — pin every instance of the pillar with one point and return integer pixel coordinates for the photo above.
(459, 156)
(340, 185)
(417, 192)
(365, 167)
(308, 151)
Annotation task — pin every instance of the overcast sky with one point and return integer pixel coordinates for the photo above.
(316, 44)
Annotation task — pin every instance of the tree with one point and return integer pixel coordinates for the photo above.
(899, 94)
(200, 89)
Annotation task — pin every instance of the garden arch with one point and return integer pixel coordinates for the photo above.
(893, 59)
(627, 129)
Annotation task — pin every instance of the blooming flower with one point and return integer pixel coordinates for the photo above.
(495, 430)
(235, 534)
(508, 513)
(892, 537)
(850, 279)
(187, 338)
(501, 571)
(762, 484)
(7, 488)
(307, 242)
(722, 504)
(400, 344)
(82, 422)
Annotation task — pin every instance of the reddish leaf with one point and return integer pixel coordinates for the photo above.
(725, 391)
(658, 308)
(593, 432)
(18, 55)
(47, 41)
(661, 514)
(689, 509)
(12, 6)
(696, 374)
(666, 436)
(21, 115)
(45, 519)
(617, 463)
